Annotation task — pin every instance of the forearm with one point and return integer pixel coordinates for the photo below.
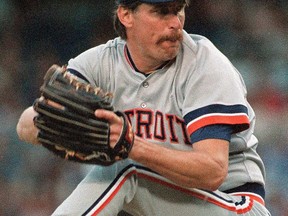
(26, 130)
(186, 168)
(205, 166)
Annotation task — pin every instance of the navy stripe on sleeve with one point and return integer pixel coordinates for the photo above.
(78, 74)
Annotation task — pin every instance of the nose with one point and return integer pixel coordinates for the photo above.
(175, 21)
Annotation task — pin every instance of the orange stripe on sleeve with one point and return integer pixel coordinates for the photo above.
(218, 119)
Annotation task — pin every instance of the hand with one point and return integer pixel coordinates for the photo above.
(116, 124)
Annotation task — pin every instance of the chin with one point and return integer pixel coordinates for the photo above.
(171, 53)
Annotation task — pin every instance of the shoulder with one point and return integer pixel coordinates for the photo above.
(96, 65)
(202, 48)
(95, 59)
(206, 57)
(195, 42)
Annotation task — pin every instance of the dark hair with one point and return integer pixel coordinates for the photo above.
(120, 28)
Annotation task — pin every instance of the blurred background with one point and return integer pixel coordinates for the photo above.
(253, 34)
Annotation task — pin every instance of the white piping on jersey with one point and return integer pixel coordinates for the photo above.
(216, 114)
(215, 197)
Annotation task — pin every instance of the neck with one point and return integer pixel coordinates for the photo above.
(144, 65)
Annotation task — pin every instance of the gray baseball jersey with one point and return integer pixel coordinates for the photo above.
(169, 106)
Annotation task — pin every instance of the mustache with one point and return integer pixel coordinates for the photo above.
(173, 37)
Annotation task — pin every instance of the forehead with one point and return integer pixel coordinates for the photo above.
(170, 5)
(167, 8)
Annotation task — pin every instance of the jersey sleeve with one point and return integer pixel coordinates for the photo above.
(87, 64)
(97, 65)
(215, 93)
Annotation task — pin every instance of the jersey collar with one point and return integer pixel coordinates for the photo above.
(132, 64)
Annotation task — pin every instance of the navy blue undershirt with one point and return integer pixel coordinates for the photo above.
(218, 131)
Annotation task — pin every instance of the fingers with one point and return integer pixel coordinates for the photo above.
(56, 105)
(108, 115)
(116, 124)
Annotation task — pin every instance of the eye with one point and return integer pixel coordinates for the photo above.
(168, 10)
(163, 11)
(176, 10)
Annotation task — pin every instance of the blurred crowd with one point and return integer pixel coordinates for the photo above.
(253, 34)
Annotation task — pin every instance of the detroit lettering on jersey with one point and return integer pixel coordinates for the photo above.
(155, 125)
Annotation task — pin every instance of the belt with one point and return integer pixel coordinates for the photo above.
(249, 187)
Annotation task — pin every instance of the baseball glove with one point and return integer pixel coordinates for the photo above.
(68, 126)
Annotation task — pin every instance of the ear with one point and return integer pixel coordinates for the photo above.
(125, 16)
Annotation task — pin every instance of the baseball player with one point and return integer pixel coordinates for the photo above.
(194, 151)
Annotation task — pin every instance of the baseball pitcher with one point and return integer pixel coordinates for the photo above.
(161, 114)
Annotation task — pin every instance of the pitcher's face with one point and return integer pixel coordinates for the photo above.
(157, 31)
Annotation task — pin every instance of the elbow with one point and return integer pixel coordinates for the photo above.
(19, 130)
(216, 183)
(21, 125)
(22, 132)
(209, 181)
(25, 128)
(216, 180)
(218, 173)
